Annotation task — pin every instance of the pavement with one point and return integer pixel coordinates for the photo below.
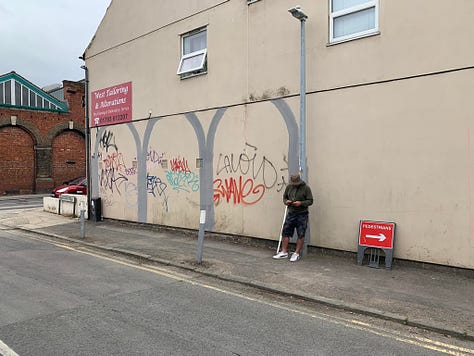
(436, 298)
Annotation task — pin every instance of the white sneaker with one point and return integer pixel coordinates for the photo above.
(280, 255)
(295, 257)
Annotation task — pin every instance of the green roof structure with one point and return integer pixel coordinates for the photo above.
(17, 92)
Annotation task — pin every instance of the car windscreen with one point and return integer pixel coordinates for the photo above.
(77, 181)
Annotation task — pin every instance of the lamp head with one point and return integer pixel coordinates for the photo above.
(298, 13)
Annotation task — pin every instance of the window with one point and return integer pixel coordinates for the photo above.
(352, 19)
(194, 53)
(8, 92)
(17, 94)
(24, 96)
(39, 101)
(32, 99)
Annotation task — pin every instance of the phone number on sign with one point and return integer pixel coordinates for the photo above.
(111, 119)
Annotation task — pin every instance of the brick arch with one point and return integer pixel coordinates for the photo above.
(59, 128)
(33, 131)
(17, 165)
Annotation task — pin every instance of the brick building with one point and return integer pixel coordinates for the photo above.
(41, 135)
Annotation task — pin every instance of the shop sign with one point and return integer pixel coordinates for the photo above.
(112, 105)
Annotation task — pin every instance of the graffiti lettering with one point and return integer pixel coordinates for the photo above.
(131, 171)
(238, 192)
(154, 157)
(114, 161)
(179, 165)
(246, 163)
(107, 140)
(154, 185)
(111, 180)
(185, 181)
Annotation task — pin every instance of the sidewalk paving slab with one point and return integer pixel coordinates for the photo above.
(435, 298)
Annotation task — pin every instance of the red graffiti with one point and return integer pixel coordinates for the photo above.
(179, 165)
(239, 192)
(114, 161)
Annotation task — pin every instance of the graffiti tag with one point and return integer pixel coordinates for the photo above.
(179, 165)
(107, 141)
(240, 191)
(248, 163)
(185, 181)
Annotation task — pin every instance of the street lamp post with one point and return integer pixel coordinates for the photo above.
(301, 16)
(88, 140)
(297, 13)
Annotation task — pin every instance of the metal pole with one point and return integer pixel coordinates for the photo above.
(303, 162)
(303, 165)
(202, 222)
(88, 141)
(83, 232)
(202, 217)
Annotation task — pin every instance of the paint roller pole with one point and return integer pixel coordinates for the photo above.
(281, 230)
(202, 222)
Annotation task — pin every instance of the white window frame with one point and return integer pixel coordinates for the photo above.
(200, 68)
(350, 10)
(202, 62)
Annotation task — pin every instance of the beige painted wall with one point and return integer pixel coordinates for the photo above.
(398, 149)
(385, 152)
(256, 48)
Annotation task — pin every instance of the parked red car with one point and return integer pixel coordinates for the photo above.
(76, 186)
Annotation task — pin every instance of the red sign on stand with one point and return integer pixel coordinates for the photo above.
(376, 234)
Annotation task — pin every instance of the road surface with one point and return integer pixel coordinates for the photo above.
(60, 299)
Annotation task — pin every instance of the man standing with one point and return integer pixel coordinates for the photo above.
(298, 198)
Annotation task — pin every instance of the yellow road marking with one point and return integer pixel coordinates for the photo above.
(65, 247)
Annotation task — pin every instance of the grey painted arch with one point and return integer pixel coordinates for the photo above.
(142, 197)
(206, 152)
(293, 133)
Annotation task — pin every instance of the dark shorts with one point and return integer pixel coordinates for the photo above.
(295, 221)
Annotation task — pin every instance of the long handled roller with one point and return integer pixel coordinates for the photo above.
(281, 230)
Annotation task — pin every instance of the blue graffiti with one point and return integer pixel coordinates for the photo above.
(154, 185)
(154, 157)
(183, 181)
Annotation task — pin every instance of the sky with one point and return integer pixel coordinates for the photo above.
(42, 40)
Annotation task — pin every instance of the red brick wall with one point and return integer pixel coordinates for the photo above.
(17, 161)
(69, 157)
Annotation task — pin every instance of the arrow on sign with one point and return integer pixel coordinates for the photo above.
(380, 237)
